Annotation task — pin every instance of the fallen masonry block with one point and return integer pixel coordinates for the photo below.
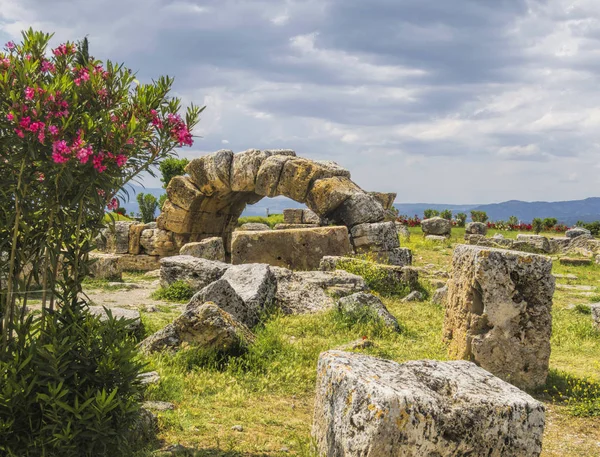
(370, 407)
(297, 249)
(498, 312)
(575, 261)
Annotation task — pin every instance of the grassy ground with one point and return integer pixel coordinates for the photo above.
(269, 390)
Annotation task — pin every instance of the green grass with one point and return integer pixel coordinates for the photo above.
(109, 217)
(271, 221)
(269, 388)
(178, 292)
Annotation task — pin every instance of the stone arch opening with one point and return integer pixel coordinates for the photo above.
(208, 201)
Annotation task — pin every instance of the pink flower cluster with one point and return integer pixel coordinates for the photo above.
(113, 204)
(64, 50)
(81, 74)
(178, 129)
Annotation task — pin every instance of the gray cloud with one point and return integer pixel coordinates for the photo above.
(464, 101)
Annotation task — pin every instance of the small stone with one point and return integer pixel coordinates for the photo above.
(158, 405)
(151, 309)
(415, 295)
(595, 308)
(152, 274)
(284, 449)
(440, 295)
(151, 377)
(362, 300)
(436, 226)
(253, 227)
(436, 238)
(574, 261)
(237, 428)
(476, 228)
(576, 232)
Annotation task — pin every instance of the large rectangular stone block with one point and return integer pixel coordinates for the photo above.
(370, 407)
(498, 312)
(297, 249)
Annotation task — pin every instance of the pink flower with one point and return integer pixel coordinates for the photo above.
(29, 93)
(101, 192)
(53, 129)
(84, 154)
(41, 136)
(20, 133)
(10, 45)
(60, 151)
(25, 121)
(5, 61)
(97, 161)
(121, 160)
(47, 67)
(113, 205)
(10, 116)
(41, 177)
(130, 141)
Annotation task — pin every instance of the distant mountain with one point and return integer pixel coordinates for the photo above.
(567, 212)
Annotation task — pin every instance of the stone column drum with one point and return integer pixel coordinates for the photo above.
(498, 312)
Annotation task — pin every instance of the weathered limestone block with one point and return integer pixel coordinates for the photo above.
(105, 266)
(118, 313)
(558, 244)
(361, 301)
(576, 232)
(117, 241)
(436, 238)
(138, 262)
(101, 240)
(595, 315)
(294, 226)
(403, 231)
(300, 249)
(370, 407)
(380, 236)
(280, 152)
(244, 169)
(334, 167)
(575, 261)
(174, 218)
(393, 275)
(211, 173)
(253, 227)
(385, 198)
(206, 326)
(135, 233)
(295, 294)
(538, 242)
(585, 245)
(198, 273)
(476, 228)
(256, 285)
(436, 226)
(225, 297)
(210, 249)
(440, 295)
(293, 216)
(310, 217)
(299, 174)
(183, 193)
(400, 257)
(326, 195)
(337, 282)
(360, 208)
(498, 312)
(267, 177)
(158, 242)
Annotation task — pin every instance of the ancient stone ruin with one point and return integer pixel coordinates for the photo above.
(207, 202)
(498, 312)
(370, 407)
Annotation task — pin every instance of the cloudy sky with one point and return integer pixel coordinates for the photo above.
(463, 101)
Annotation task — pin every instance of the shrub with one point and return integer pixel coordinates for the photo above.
(377, 277)
(549, 222)
(69, 388)
(479, 216)
(513, 221)
(429, 213)
(271, 221)
(593, 227)
(461, 219)
(171, 167)
(537, 224)
(75, 132)
(410, 221)
(179, 291)
(446, 214)
(148, 205)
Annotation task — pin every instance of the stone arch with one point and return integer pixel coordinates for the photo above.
(208, 201)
